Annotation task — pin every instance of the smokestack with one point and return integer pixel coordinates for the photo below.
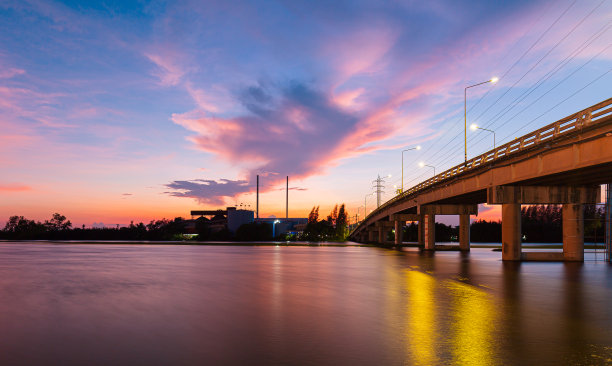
(287, 201)
(257, 205)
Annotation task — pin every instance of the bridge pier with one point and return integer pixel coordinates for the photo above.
(572, 197)
(372, 235)
(428, 229)
(511, 231)
(464, 232)
(399, 232)
(573, 232)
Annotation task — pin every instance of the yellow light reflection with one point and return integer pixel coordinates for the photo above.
(421, 318)
(474, 316)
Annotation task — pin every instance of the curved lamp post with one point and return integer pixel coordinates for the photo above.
(422, 165)
(475, 127)
(273, 227)
(492, 81)
(412, 148)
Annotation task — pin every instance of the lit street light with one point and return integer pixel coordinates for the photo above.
(422, 165)
(412, 148)
(273, 227)
(492, 81)
(475, 127)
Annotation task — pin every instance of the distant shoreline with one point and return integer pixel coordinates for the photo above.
(443, 246)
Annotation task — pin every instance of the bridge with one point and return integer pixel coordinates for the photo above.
(564, 163)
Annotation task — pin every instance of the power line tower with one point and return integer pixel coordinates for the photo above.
(379, 185)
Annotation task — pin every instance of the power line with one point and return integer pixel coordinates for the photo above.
(548, 53)
(526, 73)
(504, 74)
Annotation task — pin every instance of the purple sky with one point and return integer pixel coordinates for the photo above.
(120, 111)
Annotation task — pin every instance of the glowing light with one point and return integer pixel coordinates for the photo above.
(494, 79)
(421, 164)
(418, 147)
(473, 127)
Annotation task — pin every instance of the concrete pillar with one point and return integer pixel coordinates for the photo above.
(420, 225)
(429, 231)
(511, 231)
(608, 222)
(464, 232)
(381, 235)
(399, 231)
(371, 236)
(573, 232)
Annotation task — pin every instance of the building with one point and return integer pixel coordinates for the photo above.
(290, 225)
(230, 218)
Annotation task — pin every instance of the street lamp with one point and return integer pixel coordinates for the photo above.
(273, 227)
(422, 165)
(412, 148)
(365, 207)
(475, 127)
(492, 81)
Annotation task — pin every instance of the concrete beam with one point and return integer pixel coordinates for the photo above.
(405, 217)
(542, 256)
(542, 194)
(383, 224)
(461, 209)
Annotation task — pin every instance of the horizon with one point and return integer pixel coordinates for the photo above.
(122, 112)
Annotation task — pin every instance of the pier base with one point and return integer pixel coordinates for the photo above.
(511, 231)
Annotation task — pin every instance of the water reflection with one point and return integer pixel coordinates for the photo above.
(121, 304)
(474, 316)
(421, 317)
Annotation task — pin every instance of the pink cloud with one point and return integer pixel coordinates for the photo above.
(14, 187)
(9, 72)
(168, 71)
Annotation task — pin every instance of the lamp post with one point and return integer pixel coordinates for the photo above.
(493, 81)
(422, 165)
(412, 148)
(475, 127)
(365, 207)
(273, 227)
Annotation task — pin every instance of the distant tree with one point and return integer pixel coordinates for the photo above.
(341, 223)
(334, 215)
(314, 215)
(58, 222)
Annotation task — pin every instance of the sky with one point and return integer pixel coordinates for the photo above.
(119, 111)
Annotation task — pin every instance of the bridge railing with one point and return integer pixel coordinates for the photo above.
(546, 134)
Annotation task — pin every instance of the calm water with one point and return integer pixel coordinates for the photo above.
(167, 305)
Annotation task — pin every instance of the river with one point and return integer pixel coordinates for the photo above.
(102, 304)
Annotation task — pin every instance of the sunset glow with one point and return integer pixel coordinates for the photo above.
(116, 112)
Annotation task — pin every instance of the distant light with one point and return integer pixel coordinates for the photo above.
(389, 176)
(418, 147)
(473, 126)
(276, 221)
(494, 80)
(421, 164)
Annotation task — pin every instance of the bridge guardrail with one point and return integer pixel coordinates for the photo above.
(558, 129)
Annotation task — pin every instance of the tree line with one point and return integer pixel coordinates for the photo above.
(60, 228)
(539, 224)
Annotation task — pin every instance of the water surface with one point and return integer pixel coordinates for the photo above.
(90, 304)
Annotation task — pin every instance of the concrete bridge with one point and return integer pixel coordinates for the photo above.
(563, 163)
